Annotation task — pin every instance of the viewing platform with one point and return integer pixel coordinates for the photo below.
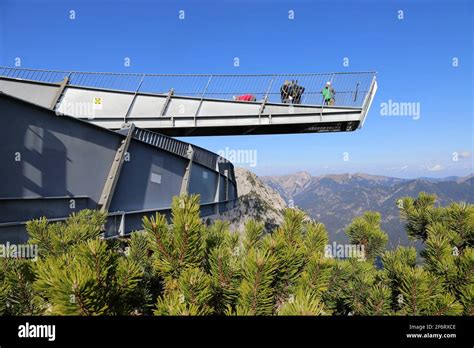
(200, 105)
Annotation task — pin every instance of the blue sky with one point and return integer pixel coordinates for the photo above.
(413, 57)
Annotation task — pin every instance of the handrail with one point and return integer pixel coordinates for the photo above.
(212, 86)
(149, 74)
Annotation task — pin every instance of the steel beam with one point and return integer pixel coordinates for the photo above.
(114, 173)
(187, 173)
(62, 87)
(133, 100)
(167, 102)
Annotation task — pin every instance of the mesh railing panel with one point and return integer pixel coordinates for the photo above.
(350, 88)
(201, 156)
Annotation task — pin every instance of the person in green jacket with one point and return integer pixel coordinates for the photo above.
(328, 94)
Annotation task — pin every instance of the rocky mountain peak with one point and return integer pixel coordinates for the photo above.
(256, 201)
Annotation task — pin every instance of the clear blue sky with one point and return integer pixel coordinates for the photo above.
(413, 58)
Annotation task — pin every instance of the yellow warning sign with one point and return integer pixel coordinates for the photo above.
(97, 103)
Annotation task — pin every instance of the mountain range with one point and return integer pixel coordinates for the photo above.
(336, 199)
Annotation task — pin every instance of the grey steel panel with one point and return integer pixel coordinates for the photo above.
(13, 234)
(24, 208)
(146, 105)
(35, 92)
(149, 179)
(59, 156)
(368, 102)
(63, 159)
(76, 100)
(204, 182)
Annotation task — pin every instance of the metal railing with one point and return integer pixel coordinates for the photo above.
(351, 87)
(201, 156)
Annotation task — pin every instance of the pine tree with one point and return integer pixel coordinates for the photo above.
(225, 274)
(366, 231)
(418, 213)
(316, 275)
(302, 303)
(78, 273)
(255, 290)
(447, 233)
(183, 267)
(396, 264)
(378, 300)
(193, 291)
(180, 245)
(17, 296)
(465, 280)
(150, 285)
(286, 248)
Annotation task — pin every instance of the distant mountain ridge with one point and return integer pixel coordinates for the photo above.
(335, 199)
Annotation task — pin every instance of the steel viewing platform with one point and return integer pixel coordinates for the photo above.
(54, 166)
(198, 105)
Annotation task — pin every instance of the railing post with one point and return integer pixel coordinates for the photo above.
(202, 98)
(356, 92)
(332, 79)
(133, 99)
(60, 92)
(265, 99)
(167, 101)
